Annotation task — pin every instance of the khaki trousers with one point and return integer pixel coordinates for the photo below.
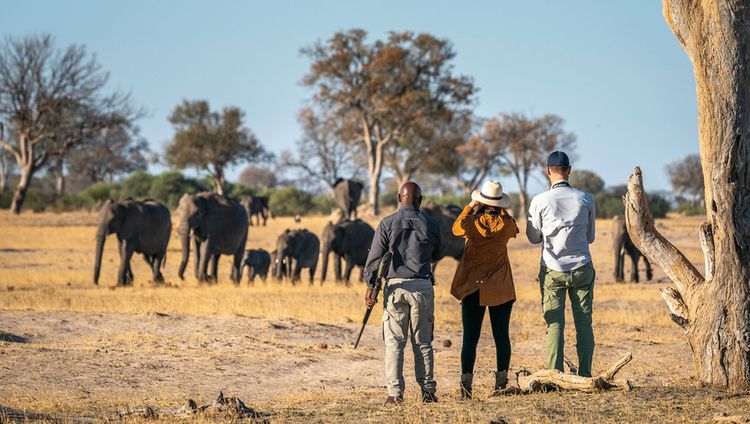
(409, 311)
(577, 284)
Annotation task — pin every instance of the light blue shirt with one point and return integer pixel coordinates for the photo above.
(563, 219)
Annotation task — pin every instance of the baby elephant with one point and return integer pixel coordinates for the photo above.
(258, 261)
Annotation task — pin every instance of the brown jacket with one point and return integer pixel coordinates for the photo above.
(485, 266)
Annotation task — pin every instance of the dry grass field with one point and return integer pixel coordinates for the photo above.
(78, 352)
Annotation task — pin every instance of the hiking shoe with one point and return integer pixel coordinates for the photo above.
(429, 397)
(393, 400)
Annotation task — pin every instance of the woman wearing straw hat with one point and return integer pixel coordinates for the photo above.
(484, 280)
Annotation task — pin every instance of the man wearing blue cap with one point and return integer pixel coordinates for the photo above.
(562, 218)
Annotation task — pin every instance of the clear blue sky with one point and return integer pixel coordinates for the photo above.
(612, 70)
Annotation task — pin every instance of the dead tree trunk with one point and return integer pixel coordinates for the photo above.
(713, 309)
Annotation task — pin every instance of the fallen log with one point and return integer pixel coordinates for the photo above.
(551, 380)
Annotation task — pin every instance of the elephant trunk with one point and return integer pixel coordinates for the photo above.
(185, 239)
(101, 236)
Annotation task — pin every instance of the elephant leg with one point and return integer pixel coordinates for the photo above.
(156, 264)
(206, 255)
(297, 271)
(289, 269)
(251, 275)
(214, 276)
(634, 267)
(197, 259)
(348, 270)
(619, 266)
(649, 271)
(312, 275)
(237, 266)
(126, 253)
(337, 267)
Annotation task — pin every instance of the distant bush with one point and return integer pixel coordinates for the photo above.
(137, 185)
(609, 203)
(168, 187)
(290, 201)
(446, 200)
(388, 198)
(323, 204)
(659, 206)
(6, 197)
(239, 190)
(689, 209)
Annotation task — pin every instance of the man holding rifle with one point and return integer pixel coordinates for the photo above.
(408, 296)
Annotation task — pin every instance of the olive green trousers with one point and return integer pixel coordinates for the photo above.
(577, 284)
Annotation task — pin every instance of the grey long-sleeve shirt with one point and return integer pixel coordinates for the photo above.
(563, 219)
(414, 240)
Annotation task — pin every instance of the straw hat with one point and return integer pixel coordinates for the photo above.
(491, 194)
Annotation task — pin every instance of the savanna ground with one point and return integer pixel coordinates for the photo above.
(70, 349)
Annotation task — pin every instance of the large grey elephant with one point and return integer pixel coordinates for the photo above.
(257, 262)
(296, 249)
(347, 193)
(218, 226)
(451, 245)
(256, 206)
(623, 245)
(141, 227)
(348, 240)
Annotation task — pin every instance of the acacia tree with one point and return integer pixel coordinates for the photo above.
(259, 176)
(387, 88)
(211, 140)
(323, 153)
(111, 153)
(686, 177)
(587, 181)
(429, 146)
(713, 308)
(52, 99)
(523, 143)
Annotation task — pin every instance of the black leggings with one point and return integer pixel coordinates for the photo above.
(472, 315)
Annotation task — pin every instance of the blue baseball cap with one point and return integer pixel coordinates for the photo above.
(558, 158)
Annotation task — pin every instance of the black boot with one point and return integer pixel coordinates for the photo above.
(429, 397)
(466, 383)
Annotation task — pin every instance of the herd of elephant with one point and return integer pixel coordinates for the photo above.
(217, 225)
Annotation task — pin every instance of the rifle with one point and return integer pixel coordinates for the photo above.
(385, 262)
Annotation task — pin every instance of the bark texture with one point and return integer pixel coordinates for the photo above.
(714, 309)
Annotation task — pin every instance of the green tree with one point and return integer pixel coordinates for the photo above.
(137, 185)
(210, 140)
(387, 91)
(289, 201)
(168, 187)
(586, 181)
